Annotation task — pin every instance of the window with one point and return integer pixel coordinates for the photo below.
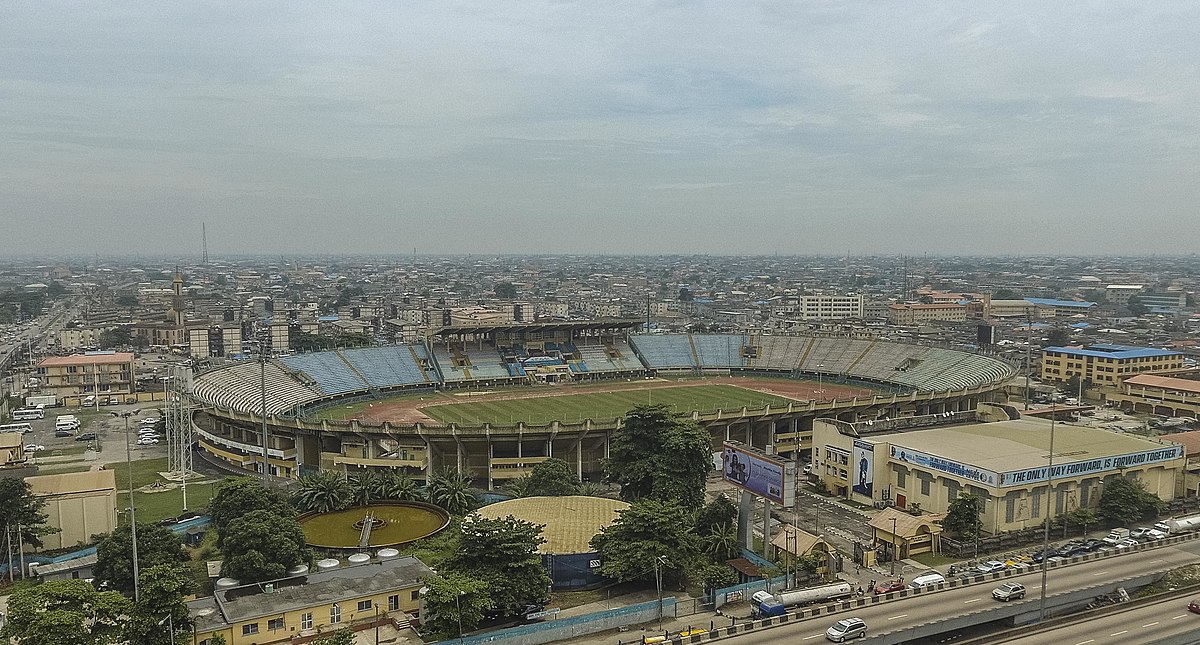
(364, 605)
(394, 603)
(335, 614)
(274, 624)
(416, 595)
(901, 477)
(925, 482)
(1036, 501)
(247, 630)
(306, 620)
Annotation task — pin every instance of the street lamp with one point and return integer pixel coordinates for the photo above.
(132, 508)
(659, 563)
(820, 378)
(1046, 526)
(895, 547)
(458, 605)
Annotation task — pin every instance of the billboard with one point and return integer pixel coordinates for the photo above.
(864, 467)
(932, 462)
(753, 470)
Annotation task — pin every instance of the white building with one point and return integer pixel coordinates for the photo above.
(831, 307)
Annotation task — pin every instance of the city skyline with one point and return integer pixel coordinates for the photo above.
(843, 129)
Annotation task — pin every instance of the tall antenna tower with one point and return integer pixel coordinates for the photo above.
(181, 435)
(204, 241)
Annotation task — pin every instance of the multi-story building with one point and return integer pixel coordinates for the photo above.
(80, 338)
(1105, 364)
(915, 314)
(1119, 294)
(295, 609)
(1053, 308)
(88, 373)
(831, 307)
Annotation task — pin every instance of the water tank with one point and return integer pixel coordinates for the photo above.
(388, 554)
(227, 583)
(298, 570)
(327, 564)
(359, 558)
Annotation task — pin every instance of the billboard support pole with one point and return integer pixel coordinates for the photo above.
(746, 520)
(766, 529)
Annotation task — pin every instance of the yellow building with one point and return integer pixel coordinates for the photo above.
(12, 450)
(1105, 364)
(1153, 394)
(320, 602)
(80, 505)
(915, 314)
(90, 373)
(1005, 463)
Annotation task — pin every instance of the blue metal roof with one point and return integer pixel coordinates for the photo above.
(1053, 302)
(1105, 350)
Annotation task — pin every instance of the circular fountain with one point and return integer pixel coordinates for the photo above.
(382, 524)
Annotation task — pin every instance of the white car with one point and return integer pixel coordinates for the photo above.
(147, 441)
(33, 447)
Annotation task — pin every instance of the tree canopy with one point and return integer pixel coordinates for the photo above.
(646, 530)
(503, 553)
(163, 587)
(453, 597)
(237, 496)
(262, 545)
(658, 454)
(323, 492)
(157, 545)
(451, 490)
(19, 507)
(553, 478)
(1126, 500)
(962, 517)
(66, 611)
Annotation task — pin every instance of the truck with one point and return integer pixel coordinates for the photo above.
(1177, 525)
(778, 604)
(1116, 535)
(44, 400)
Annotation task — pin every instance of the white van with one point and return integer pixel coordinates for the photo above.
(89, 400)
(66, 422)
(927, 579)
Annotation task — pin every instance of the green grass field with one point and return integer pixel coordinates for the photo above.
(155, 506)
(600, 405)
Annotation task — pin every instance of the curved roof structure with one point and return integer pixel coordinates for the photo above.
(569, 522)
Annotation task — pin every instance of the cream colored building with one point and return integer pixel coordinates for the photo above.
(79, 504)
(90, 373)
(915, 314)
(1005, 463)
(12, 450)
(830, 307)
(316, 603)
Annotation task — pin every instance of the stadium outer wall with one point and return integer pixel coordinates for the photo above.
(493, 454)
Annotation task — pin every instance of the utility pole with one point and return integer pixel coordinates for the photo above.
(659, 561)
(1046, 525)
(1028, 353)
(895, 546)
(137, 595)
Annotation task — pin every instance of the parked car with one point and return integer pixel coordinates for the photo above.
(147, 441)
(1043, 554)
(991, 566)
(33, 447)
(846, 628)
(63, 433)
(889, 586)
(1139, 533)
(1093, 544)
(87, 436)
(1127, 542)
(1009, 591)
(1072, 550)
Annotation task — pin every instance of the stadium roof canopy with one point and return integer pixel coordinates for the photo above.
(488, 328)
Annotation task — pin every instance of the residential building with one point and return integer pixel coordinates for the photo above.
(830, 307)
(88, 373)
(1054, 308)
(916, 314)
(1105, 364)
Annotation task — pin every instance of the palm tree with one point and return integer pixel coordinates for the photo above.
(518, 487)
(451, 490)
(367, 486)
(323, 492)
(721, 543)
(399, 487)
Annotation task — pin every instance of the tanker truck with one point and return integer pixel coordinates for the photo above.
(778, 604)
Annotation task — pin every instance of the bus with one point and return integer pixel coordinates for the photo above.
(27, 414)
(21, 428)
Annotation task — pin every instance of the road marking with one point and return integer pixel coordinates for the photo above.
(1178, 617)
(1119, 633)
(967, 602)
(1099, 574)
(808, 638)
(900, 616)
(1090, 640)
(1150, 624)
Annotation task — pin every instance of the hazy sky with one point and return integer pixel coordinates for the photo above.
(599, 127)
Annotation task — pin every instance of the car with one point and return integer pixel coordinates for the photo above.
(1155, 534)
(846, 628)
(991, 566)
(1194, 606)
(1043, 554)
(1018, 561)
(1139, 532)
(1072, 550)
(87, 436)
(1093, 544)
(889, 586)
(149, 421)
(1126, 543)
(63, 433)
(1009, 591)
(147, 441)
(33, 447)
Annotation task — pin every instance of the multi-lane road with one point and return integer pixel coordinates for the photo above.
(894, 621)
(1162, 621)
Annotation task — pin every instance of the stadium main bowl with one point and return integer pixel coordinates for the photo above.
(393, 524)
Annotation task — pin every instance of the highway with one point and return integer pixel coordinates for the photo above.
(1166, 620)
(887, 621)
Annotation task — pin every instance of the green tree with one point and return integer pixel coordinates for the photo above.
(237, 496)
(962, 517)
(216, 639)
(718, 576)
(1057, 337)
(127, 301)
(66, 611)
(116, 337)
(343, 636)
(162, 590)
(20, 507)
(504, 554)
(1126, 500)
(720, 543)
(649, 529)
(400, 487)
(518, 487)
(552, 478)
(323, 492)
(157, 546)
(451, 490)
(453, 599)
(506, 290)
(367, 487)
(720, 511)
(1005, 294)
(661, 455)
(262, 545)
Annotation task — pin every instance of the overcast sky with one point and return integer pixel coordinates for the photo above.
(528, 127)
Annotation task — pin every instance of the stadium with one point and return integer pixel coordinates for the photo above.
(493, 401)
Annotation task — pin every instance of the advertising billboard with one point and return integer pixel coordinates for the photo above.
(863, 460)
(753, 470)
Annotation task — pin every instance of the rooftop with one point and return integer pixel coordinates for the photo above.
(570, 522)
(1053, 302)
(1114, 351)
(69, 483)
(97, 358)
(1164, 382)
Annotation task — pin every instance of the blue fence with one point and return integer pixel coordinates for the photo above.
(738, 593)
(574, 626)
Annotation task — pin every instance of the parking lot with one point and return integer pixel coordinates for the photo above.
(68, 454)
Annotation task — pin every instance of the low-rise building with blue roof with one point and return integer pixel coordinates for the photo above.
(1106, 363)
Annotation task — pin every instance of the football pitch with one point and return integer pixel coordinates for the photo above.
(600, 405)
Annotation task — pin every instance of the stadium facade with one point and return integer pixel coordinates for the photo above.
(914, 380)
